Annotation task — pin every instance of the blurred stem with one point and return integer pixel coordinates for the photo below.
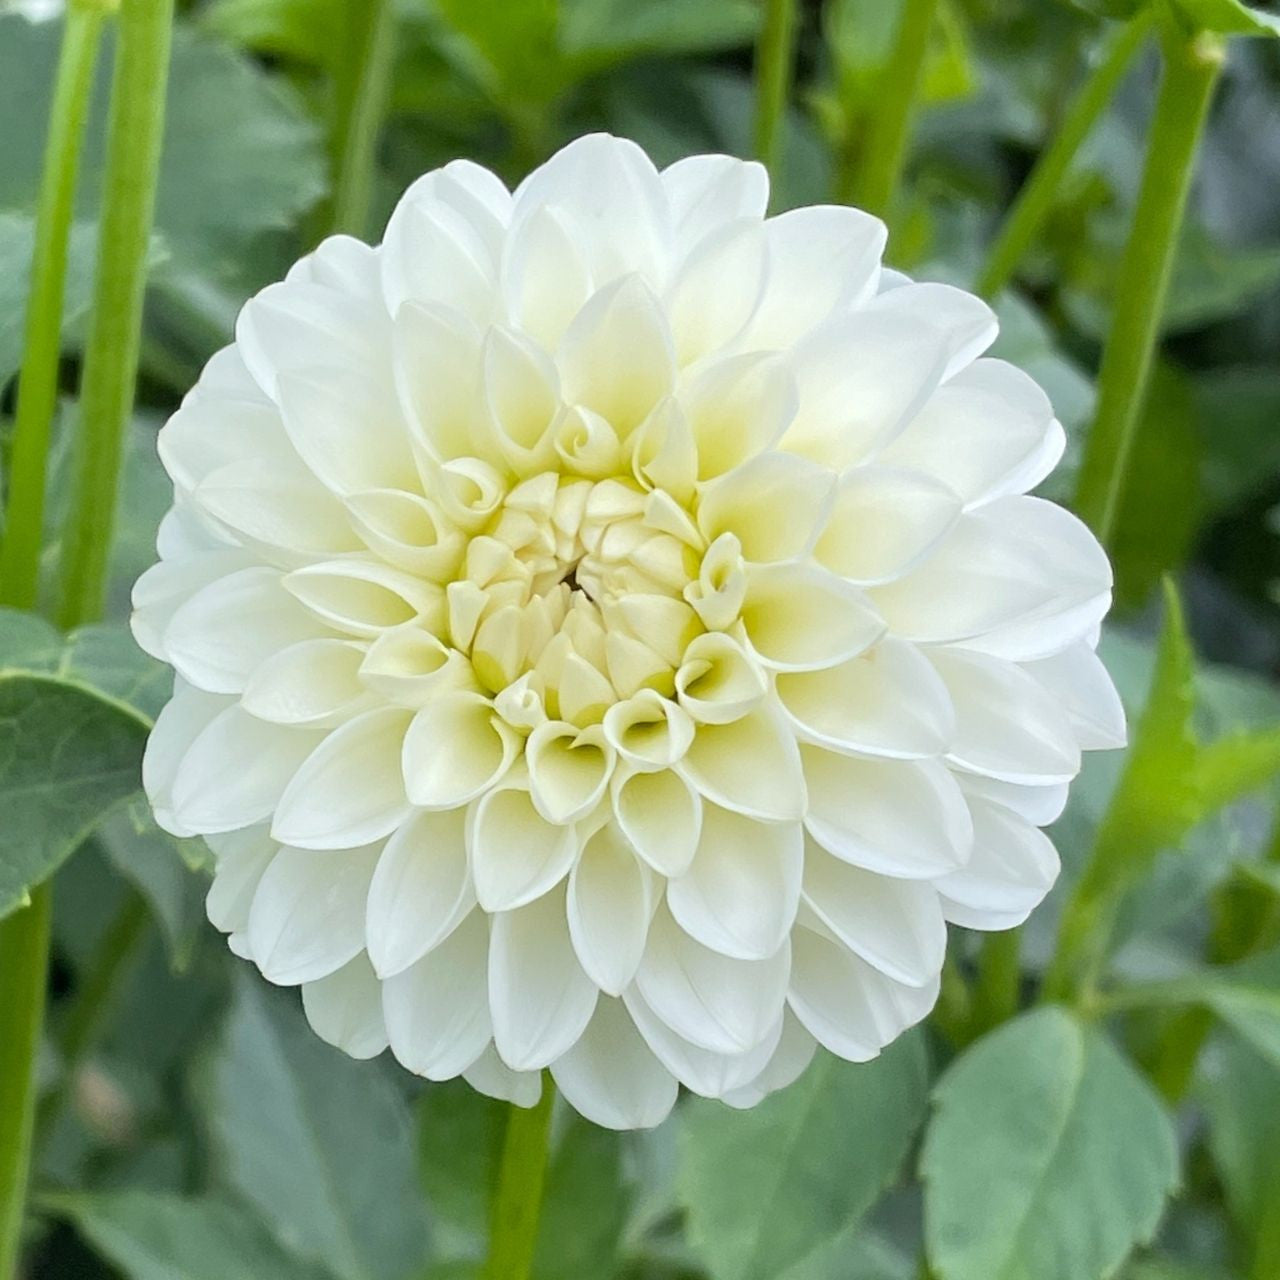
(995, 992)
(38, 379)
(1191, 69)
(889, 130)
(775, 54)
(1034, 200)
(84, 1020)
(135, 128)
(24, 962)
(517, 1200)
(362, 92)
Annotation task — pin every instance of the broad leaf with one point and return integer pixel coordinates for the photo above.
(151, 1236)
(1048, 1156)
(322, 1145)
(74, 716)
(766, 1187)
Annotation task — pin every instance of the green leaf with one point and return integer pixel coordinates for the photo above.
(165, 1237)
(766, 1187)
(1246, 996)
(597, 32)
(74, 716)
(1226, 17)
(320, 1144)
(1049, 1157)
(308, 31)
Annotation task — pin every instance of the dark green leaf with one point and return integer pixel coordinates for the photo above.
(766, 1187)
(1048, 1156)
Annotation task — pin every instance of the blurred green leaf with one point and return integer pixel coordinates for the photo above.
(1227, 17)
(320, 1144)
(163, 1237)
(1246, 996)
(74, 715)
(603, 31)
(1048, 1156)
(309, 31)
(766, 1187)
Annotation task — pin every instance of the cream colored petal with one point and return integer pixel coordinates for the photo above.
(456, 748)
(790, 1059)
(888, 701)
(522, 399)
(800, 617)
(408, 531)
(569, 769)
(410, 666)
(545, 275)
(540, 996)
(241, 858)
(719, 681)
(737, 407)
(648, 731)
(896, 817)
(489, 1075)
(716, 289)
(1083, 688)
(345, 1009)
(661, 815)
(420, 892)
(751, 766)
(739, 896)
(364, 598)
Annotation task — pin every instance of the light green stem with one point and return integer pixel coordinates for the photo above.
(995, 992)
(24, 962)
(362, 93)
(775, 54)
(1034, 200)
(889, 130)
(1191, 69)
(134, 133)
(38, 378)
(517, 1200)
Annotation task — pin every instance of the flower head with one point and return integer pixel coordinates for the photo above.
(611, 633)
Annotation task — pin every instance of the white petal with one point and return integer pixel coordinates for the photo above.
(716, 289)
(986, 433)
(345, 1009)
(207, 434)
(611, 1076)
(611, 900)
(234, 773)
(545, 275)
(489, 1075)
(1019, 578)
(420, 892)
(180, 722)
(740, 894)
(775, 503)
(1083, 688)
(241, 858)
(861, 379)
(617, 358)
(719, 681)
(848, 1006)
(314, 683)
(897, 817)
(457, 747)
(307, 918)
(888, 701)
(437, 1010)
(969, 323)
(661, 815)
(751, 766)
(167, 585)
(522, 397)
(894, 925)
(725, 1005)
(648, 731)
(706, 192)
(407, 531)
(516, 854)
(364, 598)
(821, 258)
(737, 407)
(540, 996)
(884, 521)
(800, 617)
(790, 1059)
(1007, 725)
(569, 769)
(350, 789)
(1013, 867)
(1038, 805)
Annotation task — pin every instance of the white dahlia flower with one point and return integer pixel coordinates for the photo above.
(611, 634)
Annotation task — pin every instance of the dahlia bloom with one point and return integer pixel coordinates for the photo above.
(611, 634)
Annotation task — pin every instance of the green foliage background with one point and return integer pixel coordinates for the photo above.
(191, 1127)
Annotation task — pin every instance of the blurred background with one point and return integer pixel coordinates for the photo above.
(190, 1127)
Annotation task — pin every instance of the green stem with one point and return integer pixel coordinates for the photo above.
(889, 131)
(363, 91)
(518, 1198)
(1191, 68)
(775, 54)
(995, 993)
(24, 962)
(38, 379)
(1035, 199)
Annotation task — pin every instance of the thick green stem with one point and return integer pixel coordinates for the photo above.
(775, 54)
(38, 378)
(362, 93)
(889, 131)
(995, 993)
(134, 132)
(1191, 68)
(24, 960)
(517, 1200)
(1029, 210)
